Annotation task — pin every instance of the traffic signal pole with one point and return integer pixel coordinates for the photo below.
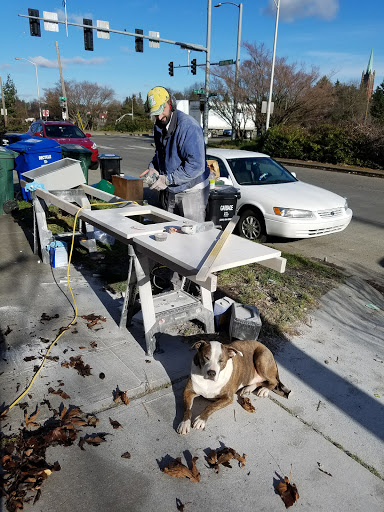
(207, 72)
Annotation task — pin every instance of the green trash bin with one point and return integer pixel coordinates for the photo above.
(7, 164)
(80, 153)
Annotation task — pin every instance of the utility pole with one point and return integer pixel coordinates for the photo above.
(207, 71)
(66, 113)
(3, 101)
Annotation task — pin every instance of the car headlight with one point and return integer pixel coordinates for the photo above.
(346, 205)
(292, 212)
(94, 146)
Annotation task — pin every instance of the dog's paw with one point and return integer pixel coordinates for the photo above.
(247, 390)
(263, 392)
(184, 427)
(199, 423)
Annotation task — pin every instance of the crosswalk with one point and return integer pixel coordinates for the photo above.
(125, 147)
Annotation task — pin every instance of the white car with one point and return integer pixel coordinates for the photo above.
(274, 202)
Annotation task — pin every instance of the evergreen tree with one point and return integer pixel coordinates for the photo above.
(377, 103)
(10, 95)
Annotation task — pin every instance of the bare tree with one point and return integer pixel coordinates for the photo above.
(86, 99)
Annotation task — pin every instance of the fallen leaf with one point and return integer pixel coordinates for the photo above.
(120, 396)
(82, 348)
(29, 358)
(115, 424)
(7, 331)
(45, 317)
(92, 420)
(223, 456)
(93, 320)
(93, 344)
(126, 455)
(176, 469)
(59, 392)
(179, 505)
(288, 492)
(30, 421)
(247, 404)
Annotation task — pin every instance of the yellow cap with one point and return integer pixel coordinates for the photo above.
(156, 100)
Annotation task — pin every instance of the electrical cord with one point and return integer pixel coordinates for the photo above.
(64, 329)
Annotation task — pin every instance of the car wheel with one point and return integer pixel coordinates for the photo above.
(252, 226)
(93, 166)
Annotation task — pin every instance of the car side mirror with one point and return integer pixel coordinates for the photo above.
(38, 134)
(294, 174)
(88, 135)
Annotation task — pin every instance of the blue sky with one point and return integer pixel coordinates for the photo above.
(335, 35)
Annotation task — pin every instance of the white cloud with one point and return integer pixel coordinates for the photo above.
(42, 62)
(294, 9)
(126, 49)
(5, 66)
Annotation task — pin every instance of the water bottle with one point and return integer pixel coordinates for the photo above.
(212, 180)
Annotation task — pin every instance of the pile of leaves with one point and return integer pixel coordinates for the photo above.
(93, 320)
(24, 457)
(77, 363)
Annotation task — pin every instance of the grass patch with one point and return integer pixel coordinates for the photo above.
(282, 299)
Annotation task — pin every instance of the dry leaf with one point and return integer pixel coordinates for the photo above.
(59, 392)
(30, 421)
(29, 358)
(246, 404)
(288, 492)
(92, 420)
(126, 455)
(115, 424)
(93, 344)
(120, 396)
(176, 469)
(223, 456)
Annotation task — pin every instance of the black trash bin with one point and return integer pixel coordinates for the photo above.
(109, 165)
(222, 204)
(80, 153)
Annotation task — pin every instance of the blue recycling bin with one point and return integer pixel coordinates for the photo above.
(34, 152)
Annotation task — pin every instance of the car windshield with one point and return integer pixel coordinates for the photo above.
(258, 171)
(63, 131)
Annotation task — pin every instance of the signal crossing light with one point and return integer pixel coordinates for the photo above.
(139, 41)
(88, 35)
(170, 66)
(193, 66)
(34, 25)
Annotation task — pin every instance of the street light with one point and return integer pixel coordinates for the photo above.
(37, 80)
(273, 65)
(240, 6)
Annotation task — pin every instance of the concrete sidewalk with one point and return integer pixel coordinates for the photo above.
(334, 416)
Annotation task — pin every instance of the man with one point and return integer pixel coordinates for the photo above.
(179, 162)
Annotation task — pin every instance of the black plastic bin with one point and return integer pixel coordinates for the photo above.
(109, 165)
(80, 153)
(222, 204)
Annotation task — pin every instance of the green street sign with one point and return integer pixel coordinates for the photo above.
(225, 62)
(199, 91)
(62, 98)
(212, 94)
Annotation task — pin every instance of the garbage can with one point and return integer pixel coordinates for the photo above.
(10, 138)
(80, 153)
(222, 204)
(7, 164)
(33, 153)
(109, 165)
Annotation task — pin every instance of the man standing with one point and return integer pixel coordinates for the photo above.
(179, 162)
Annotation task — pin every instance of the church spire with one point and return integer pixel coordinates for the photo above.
(370, 62)
(368, 78)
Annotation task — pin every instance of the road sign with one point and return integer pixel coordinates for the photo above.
(46, 113)
(199, 91)
(62, 98)
(225, 62)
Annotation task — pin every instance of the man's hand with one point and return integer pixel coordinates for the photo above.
(150, 176)
(161, 183)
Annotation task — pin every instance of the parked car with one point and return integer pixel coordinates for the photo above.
(274, 202)
(227, 132)
(65, 133)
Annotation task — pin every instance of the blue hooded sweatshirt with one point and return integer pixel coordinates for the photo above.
(180, 152)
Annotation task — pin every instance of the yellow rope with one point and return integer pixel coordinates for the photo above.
(74, 305)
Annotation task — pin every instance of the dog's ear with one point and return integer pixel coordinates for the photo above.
(196, 360)
(232, 351)
(199, 344)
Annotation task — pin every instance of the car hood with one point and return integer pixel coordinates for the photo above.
(297, 194)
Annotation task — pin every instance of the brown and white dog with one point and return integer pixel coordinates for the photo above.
(219, 371)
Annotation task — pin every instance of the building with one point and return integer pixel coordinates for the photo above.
(368, 78)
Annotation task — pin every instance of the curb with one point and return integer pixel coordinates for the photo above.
(376, 173)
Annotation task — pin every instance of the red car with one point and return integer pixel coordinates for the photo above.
(65, 133)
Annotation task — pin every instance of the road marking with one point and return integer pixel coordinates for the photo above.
(104, 147)
(138, 147)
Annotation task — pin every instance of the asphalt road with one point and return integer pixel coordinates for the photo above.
(359, 249)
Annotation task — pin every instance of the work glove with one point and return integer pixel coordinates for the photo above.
(161, 183)
(150, 176)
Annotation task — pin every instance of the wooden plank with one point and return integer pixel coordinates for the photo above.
(210, 260)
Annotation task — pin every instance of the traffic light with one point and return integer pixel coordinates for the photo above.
(34, 25)
(88, 35)
(193, 66)
(170, 66)
(139, 41)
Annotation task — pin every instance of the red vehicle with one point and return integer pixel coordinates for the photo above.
(65, 133)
